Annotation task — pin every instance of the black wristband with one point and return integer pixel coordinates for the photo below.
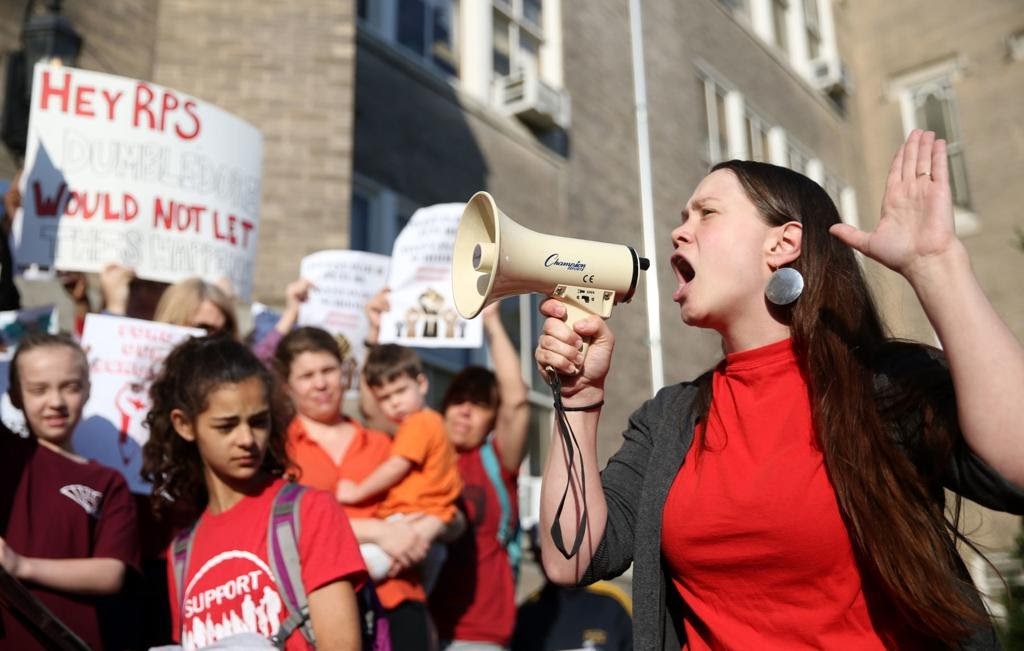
(584, 407)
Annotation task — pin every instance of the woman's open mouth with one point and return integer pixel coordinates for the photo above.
(685, 274)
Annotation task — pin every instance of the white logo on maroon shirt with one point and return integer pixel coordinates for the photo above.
(85, 497)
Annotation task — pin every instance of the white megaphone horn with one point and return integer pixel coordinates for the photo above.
(495, 257)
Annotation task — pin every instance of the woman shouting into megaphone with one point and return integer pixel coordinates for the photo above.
(792, 496)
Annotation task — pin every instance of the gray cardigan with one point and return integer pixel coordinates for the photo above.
(636, 482)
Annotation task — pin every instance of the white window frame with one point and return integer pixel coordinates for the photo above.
(476, 30)
(784, 41)
(382, 20)
(512, 10)
(810, 162)
(812, 26)
(796, 25)
(741, 120)
(472, 41)
(941, 77)
(754, 122)
(714, 86)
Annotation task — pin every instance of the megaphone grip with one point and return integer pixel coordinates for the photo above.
(574, 313)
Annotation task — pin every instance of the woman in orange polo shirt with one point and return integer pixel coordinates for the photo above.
(328, 446)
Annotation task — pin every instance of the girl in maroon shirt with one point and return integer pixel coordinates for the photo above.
(67, 529)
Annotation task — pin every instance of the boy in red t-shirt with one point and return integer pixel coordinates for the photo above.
(421, 476)
(68, 531)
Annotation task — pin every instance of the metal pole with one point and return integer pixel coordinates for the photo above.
(646, 194)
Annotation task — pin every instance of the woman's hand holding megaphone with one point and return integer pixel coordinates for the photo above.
(560, 348)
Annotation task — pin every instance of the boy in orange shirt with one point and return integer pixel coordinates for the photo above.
(421, 476)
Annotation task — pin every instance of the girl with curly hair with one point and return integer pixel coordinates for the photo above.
(216, 454)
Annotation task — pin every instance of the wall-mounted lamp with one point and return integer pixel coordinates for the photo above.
(45, 36)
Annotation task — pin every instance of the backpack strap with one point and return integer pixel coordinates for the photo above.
(373, 619)
(508, 527)
(283, 554)
(181, 552)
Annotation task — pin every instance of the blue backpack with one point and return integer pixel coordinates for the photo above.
(283, 554)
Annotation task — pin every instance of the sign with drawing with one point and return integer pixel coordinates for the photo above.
(125, 355)
(422, 309)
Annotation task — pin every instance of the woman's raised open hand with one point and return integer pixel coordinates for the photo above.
(916, 224)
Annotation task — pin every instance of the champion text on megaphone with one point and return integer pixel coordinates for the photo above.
(495, 257)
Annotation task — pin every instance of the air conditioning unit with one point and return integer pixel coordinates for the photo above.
(523, 95)
(830, 75)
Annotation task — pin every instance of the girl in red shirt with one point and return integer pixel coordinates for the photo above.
(217, 451)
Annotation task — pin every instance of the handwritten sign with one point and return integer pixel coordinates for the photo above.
(422, 309)
(14, 325)
(125, 355)
(344, 281)
(122, 170)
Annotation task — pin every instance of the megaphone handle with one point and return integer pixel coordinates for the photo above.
(574, 312)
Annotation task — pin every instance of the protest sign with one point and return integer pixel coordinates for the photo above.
(14, 325)
(122, 170)
(422, 309)
(125, 355)
(343, 282)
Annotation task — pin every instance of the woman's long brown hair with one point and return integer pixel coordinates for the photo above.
(887, 494)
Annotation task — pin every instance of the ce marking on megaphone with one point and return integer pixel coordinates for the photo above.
(588, 279)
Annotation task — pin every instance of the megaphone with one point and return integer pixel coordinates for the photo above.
(495, 257)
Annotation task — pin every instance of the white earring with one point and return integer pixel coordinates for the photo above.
(785, 286)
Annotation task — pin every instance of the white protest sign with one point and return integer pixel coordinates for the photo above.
(14, 325)
(122, 170)
(422, 309)
(125, 355)
(343, 283)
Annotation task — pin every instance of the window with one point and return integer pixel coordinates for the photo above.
(833, 186)
(715, 111)
(423, 28)
(756, 131)
(734, 129)
(517, 36)
(377, 216)
(1015, 46)
(802, 31)
(928, 101)
(935, 111)
(812, 25)
(797, 158)
(779, 23)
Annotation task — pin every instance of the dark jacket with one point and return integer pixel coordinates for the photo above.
(637, 479)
